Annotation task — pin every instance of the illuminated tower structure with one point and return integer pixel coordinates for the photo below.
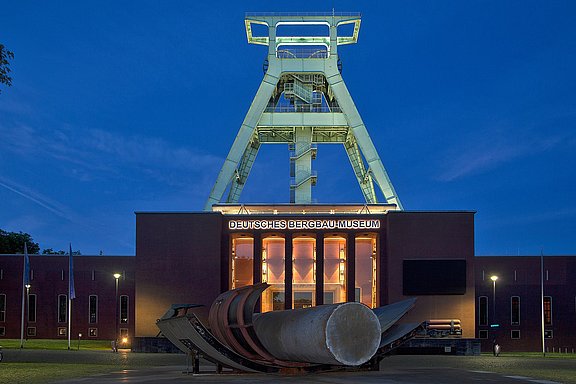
(303, 101)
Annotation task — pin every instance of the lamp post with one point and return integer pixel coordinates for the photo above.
(542, 302)
(24, 312)
(116, 276)
(494, 278)
(494, 325)
(27, 307)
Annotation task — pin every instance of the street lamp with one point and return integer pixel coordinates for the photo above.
(28, 307)
(24, 305)
(116, 276)
(495, 346)
(494, 278)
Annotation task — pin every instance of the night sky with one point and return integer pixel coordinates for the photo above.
(128, 106)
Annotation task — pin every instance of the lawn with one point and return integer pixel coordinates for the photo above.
(95, 357)
(46, 372)
(552, 355)
(43, 361)
(56, 344)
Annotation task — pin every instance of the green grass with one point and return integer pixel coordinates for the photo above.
(554, 366)
(45, 372)
(550, 355)
(531, 364)
(56, 344)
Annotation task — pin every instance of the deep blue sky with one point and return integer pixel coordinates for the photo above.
(130, 106)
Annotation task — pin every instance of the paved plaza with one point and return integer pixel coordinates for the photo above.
(171, 368)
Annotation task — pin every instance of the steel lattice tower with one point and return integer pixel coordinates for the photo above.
(303, 101)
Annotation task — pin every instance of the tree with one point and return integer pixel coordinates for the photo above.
(50, 251)
(13, 242)
(5, 55)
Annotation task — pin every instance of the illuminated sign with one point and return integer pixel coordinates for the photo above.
(303, 224)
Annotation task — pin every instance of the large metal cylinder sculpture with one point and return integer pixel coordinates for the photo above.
(339, 334)
(298, 340)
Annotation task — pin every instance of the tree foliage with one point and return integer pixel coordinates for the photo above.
(5, 56)
(50, 251)
(13, 242)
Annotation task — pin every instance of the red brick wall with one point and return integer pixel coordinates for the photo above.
(431, 235)
(177, 261)
(47, 284)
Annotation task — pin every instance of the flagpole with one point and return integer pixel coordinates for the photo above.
(22, 325)
(542, 299)
(24, 270)
(70, 294)
(69, 316)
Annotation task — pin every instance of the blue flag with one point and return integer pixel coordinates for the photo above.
(71, 290)
(26, 277)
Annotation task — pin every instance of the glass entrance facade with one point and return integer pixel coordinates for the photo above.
(334, 270)
(365, 271)
(242, 261)
(303, 272)
(311, 281)
(273, 272)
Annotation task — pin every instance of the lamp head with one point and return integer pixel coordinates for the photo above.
(494, 278)
(117, 275)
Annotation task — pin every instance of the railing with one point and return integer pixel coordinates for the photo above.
(257, 14)
(307, 78)
(302, 53)
(302, 108)
(296, 183)
(302, 92)
(313, 148)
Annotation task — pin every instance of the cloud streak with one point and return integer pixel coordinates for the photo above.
(35, 197)
(488, 154)
(146, 150)
(95, 153)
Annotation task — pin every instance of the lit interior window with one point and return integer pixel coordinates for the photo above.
(334, 270)
(242, 262)
(303, 272)
(365, 271)
(273, 273)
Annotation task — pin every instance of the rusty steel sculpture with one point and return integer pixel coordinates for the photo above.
(318, 338)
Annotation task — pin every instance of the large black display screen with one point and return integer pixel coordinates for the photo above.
(434, 277)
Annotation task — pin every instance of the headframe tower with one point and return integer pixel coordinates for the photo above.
(302, 101)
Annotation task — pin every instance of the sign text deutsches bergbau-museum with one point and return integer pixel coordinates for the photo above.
(303, 224)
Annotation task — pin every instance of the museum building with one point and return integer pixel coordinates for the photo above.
(344, 253)
(99, 311)
(310, 254)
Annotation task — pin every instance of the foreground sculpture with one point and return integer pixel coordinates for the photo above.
(308, 339)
